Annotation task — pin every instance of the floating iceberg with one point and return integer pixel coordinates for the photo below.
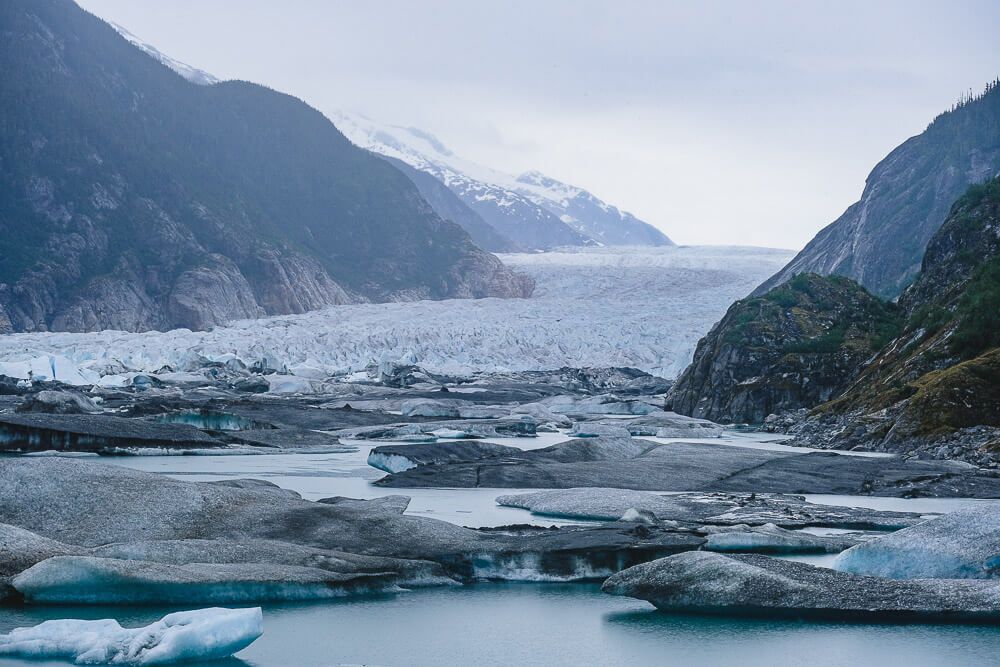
(90, 580)
(204, 634)
(709, 583)
(960, 545)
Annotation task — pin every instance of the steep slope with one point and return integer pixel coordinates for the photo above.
(444, 202)
(880, 240)
(133, 199)
(447, 205)
(192, 74)
(935, 389)
(794, 347)
(587, 214)
(533, 210)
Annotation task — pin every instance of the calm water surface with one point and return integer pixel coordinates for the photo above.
(559, 624)
(525, 624)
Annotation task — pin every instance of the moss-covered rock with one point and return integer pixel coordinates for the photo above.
(796, 346)
(935, 389)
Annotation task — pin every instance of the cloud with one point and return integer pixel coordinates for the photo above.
(718, 121)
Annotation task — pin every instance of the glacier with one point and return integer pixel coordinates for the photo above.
(639, 307)
(203, 634)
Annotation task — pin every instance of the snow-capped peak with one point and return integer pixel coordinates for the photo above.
(475, 183)
(192, 74)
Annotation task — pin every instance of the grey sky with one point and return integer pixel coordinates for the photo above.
(719, 122)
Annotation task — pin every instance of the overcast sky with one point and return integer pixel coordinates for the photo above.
(729, 122)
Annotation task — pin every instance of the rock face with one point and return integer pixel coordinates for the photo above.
(879, 241)
(794, 347)
(961, 545)
(709, 583)
(136, 200)
(935, 389)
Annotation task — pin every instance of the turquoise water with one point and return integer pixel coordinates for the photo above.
(558, 624)
(524, 624)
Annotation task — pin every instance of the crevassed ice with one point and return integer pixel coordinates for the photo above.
(203, 634)
(640, 307)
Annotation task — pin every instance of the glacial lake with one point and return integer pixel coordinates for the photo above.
(524, 623)
(489, 625)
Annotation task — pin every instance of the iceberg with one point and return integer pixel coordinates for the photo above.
(92, 580)
(753, 585)
(770, 539)
(960, 545)
(203, 634)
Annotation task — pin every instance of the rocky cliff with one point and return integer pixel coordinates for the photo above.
(796, 346)
(935, 390)
(133, 199)
(880, 240)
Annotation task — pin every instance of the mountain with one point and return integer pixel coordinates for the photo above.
(935, 390)
(532, 210)
(921, 377)
(133, 199)
(880, 240)
(448, 205)
(192, 74)
(796, 346)
(587, 214)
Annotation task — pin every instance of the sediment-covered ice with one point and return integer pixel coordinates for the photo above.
(639, 307)
(961, 545)
(204, 634)
(770, 539)
(90, 580)
(711, 583)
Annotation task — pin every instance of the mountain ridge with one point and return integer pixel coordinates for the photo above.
(138, 200)
(879, 240)
(533, 210)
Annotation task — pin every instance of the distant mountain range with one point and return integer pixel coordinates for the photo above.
(501, 212)
(132, 199)
(880, 240)
(532, 210)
